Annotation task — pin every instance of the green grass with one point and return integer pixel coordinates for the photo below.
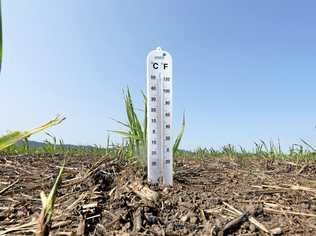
(16, 136)
(261, 150)
(136, 130)
(135, 142)
(48, 202)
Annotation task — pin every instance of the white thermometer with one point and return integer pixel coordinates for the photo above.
(159, 117)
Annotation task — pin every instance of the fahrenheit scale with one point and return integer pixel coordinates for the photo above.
(159, 117)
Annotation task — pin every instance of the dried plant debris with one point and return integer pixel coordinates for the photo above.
(110, 196)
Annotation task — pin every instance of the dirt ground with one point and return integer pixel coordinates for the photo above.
(215, 196)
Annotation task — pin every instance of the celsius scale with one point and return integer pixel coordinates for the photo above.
(159, 117)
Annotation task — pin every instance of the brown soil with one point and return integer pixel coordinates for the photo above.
(104, 196)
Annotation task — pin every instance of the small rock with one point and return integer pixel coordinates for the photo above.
(246, 225)
(252, 228)
(276, 231)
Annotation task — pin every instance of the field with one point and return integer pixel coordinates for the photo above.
(58, 189)
(214, 194)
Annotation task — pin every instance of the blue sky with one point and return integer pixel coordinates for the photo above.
(243, 70)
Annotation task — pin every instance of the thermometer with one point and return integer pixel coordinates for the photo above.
(159, 117)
